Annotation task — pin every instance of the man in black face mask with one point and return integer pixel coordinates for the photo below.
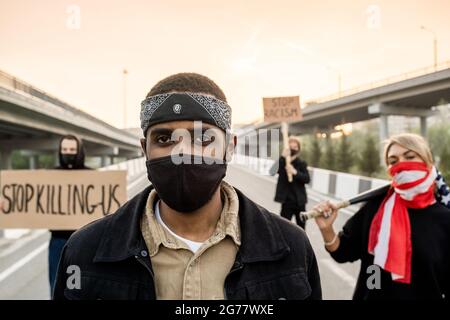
(190, 235)
(291, 195)
(71, 157)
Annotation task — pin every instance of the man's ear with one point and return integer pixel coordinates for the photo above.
(144, 146)
(231, 147)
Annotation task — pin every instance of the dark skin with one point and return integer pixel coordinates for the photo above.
(167, 138)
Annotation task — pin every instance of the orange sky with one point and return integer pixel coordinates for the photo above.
(250, 48)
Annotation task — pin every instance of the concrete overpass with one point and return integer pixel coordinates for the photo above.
(414, 95)
(33, 120)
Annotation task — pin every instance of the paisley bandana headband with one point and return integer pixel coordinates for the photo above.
(185, 106)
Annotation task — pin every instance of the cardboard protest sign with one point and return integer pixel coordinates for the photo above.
(59, 199)
(281, 109)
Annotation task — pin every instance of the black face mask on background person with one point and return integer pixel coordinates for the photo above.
(68, 160)
(185, 187)
(293, 152)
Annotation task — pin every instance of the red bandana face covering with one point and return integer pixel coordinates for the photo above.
(390, 231)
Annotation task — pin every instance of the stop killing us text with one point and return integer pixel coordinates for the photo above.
(56, 199)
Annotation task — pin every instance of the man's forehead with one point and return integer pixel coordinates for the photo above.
(69, 142)
(188, 125)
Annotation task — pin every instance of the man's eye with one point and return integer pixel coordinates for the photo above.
(163, 139)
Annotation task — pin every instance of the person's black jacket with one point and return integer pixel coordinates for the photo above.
(298, 181)
(275, 259)
(430, 236)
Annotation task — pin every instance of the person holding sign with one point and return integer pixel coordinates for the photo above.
(402, 237)
(71, 157)
(190, 235)
(291, 194)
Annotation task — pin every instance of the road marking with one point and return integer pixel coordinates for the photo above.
(19, 264)
(139, 179)
(341, 273)
(268, 178)
(17, 245)
(317, 198)
(347, 278)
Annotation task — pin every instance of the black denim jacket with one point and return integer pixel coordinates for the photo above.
(275, 259)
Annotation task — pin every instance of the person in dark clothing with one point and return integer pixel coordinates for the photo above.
(291, 195)
(71, 157)
(190, 235)
(402, 238)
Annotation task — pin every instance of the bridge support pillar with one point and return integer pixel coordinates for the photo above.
(384, 127)
(423, 126)
(5, 159)
(105, 160)
(34, 161)
(56, 154)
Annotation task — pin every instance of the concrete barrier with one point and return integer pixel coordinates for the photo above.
(340, 185)
(321, 180)
(133, 167)
(347, 185)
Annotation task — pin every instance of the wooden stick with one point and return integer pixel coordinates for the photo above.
(364, 196)
(284, 132)
(314, 213)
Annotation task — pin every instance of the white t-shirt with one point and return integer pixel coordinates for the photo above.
(194, 246)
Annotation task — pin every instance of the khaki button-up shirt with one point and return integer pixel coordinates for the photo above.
(181, 274)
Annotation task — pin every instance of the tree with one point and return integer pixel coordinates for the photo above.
(329, 161)
(369, 159)
(344, 155)
(19, 161)
(444, 163)
(304, 150)
(438, 137)
(47, 161)
(315, 153)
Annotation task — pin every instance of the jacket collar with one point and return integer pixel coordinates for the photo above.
(261, 238)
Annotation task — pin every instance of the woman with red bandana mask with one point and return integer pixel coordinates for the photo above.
(403, 237)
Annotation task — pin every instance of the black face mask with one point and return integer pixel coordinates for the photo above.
(293, 152)
(68, 160)
(187, 186)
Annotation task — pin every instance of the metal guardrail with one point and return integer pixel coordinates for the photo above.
(19, 85)
(380, 83)
(339, 185)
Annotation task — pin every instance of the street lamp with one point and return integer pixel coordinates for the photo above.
(434, 44)
(339, 78)
(125, 73)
